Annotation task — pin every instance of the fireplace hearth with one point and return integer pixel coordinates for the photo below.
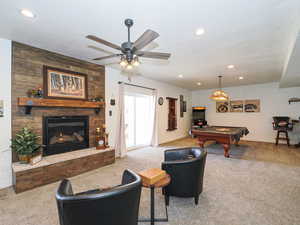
(65, 133)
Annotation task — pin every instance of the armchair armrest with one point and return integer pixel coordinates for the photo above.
(65, 188)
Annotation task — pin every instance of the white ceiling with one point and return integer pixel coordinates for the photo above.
(253, 35)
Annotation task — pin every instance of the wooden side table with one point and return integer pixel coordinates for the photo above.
(159, 184)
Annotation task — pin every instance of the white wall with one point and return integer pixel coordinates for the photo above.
(5, 122)
(112, 76)
(273, 102)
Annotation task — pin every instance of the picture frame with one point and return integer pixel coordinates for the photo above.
(222, 107)
(64, 84)
(237, 106)
(252, 105)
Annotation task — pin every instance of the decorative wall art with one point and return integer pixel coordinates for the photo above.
(64, 84)
(252, 105)
(184, 106)
(181, 105)
(236, 106)
(222, 107)
(1, 108)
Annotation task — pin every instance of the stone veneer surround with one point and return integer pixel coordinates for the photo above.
(27, 73)
(60, 166)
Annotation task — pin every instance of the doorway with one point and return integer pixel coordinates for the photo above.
(139, 118)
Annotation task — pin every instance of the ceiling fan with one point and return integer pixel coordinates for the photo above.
(131, 51)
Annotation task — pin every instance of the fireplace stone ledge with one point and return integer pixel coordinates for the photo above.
(57, 167)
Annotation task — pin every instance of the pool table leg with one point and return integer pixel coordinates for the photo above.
(226, 150)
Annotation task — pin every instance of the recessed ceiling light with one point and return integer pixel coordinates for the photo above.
(198, 83)
(27, 13)
(199, 31)
(241, 78)
(180, 76)
(230, 66)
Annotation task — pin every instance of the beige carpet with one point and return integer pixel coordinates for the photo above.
(236, 192)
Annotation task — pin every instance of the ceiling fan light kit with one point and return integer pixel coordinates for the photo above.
(219, 95)
(131, 51)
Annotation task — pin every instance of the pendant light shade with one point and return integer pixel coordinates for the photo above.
(219, 95)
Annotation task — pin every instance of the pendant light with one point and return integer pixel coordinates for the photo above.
(219, 95)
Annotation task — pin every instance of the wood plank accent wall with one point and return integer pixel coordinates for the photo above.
(27, 73)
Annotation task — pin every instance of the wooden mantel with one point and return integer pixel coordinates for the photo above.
(28, 103)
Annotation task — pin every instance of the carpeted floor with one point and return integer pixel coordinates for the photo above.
(236, 192)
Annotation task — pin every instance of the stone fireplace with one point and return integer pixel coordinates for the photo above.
(65, 133)
(66, 126)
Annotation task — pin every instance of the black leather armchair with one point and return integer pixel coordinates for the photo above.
(186, 168)
(116, 206)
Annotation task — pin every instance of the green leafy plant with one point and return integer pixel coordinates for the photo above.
(25, 142)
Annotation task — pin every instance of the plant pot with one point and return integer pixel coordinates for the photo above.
(24, 159)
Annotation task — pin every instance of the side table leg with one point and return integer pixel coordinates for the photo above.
(152, 206)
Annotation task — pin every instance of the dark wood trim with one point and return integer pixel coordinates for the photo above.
(45, 82)
(171, 129)
(172, 114)
(45, 102)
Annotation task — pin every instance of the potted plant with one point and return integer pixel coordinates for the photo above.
(25, 144)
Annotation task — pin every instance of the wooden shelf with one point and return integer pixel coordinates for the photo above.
(28, 103)
(294, 100)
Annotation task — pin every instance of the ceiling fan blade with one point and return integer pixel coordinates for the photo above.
(100, 49)
(147, 37)
(107, 57)
(107, 43)
(155, 55)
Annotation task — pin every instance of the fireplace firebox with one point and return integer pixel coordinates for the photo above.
(65, 133)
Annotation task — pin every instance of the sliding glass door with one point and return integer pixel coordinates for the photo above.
(139, 117)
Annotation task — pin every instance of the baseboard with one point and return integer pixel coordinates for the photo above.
(176, 139)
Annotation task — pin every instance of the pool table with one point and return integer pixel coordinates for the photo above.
(221, 134)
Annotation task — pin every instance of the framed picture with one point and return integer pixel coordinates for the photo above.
(236, 106)
(1, 108)
(222, 107)
(252, 105)
(65, 84)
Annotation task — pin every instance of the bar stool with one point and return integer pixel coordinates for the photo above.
(283, 126)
